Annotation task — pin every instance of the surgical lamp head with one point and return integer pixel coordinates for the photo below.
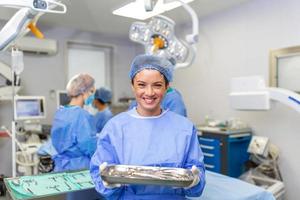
(161, 64)
(80, 84)
(103, 94)
(158, 38)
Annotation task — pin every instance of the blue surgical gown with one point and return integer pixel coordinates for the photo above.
(167, 140)
(101, 118)
(73, 135)
(172, 101)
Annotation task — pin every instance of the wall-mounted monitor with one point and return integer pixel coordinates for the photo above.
(62, 98)
(29, 107)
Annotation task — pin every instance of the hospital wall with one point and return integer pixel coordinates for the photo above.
(45, 73)
(234, 43)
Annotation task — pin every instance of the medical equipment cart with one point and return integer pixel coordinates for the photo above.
(225, 151)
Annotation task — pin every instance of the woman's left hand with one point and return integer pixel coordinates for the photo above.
(196, 180)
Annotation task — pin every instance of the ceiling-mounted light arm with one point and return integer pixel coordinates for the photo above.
(251, 93)
(53, 6)
(15, 27)
(25, 18)
(15, 3)
(286, 97)
(149, 5)
(45, 6)
(192, 38)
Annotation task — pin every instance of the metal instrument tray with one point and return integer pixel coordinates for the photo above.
(129, 174)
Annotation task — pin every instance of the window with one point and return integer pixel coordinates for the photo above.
(92, 59)
(285, 68)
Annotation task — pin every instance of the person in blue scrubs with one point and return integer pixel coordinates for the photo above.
(101, 102)
(73, 132)
(148, 135)
(172, 101)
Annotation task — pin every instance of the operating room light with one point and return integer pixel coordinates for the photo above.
(137, 10)
(158, 38)
(26, 18)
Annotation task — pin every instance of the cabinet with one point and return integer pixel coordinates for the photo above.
(225, 151)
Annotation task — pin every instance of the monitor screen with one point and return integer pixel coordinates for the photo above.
(62, 98)
(29, 108)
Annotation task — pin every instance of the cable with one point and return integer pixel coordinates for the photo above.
(27, 162)
(10, 135)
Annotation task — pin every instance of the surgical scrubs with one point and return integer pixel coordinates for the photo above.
(73, 135)
(172, 101)
(167, 140)
(101, 118)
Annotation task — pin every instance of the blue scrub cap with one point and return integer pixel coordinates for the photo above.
(103, 94)
(161, 64)
(80, 84)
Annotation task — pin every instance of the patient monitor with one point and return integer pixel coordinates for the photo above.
(62, 98)
(29, 107)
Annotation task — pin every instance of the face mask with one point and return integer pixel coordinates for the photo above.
(90, 109)
(89, 100)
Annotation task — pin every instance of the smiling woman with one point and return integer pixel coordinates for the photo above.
(150, 77)
(147, 135)
(149, 87)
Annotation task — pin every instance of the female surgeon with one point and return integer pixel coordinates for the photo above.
(73, 131)
(150, 136)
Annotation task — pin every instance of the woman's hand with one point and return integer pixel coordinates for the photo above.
(106, 184)
(196, 180)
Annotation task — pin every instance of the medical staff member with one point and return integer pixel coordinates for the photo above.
(172, 101)
(101, 102)
(73, 132)
(150, 136)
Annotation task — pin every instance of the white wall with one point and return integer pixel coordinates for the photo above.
(234, 43)
(45, 73)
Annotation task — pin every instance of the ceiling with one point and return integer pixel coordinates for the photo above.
(96, 15)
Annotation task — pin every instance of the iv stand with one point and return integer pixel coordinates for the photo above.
(13, 123)
(17, 67)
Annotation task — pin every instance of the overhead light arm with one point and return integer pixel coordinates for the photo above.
(251, 93)
(46, 6)
(16, 27)
(149, 5)
(25, 18)
(192, 38)
(286, 97)
(145, 9)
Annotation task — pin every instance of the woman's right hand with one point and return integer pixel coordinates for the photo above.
(106, 184)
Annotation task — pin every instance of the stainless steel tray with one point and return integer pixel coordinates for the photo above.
(129, 174)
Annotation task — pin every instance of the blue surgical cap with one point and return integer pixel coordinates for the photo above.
(160, 64)
(103, 94)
